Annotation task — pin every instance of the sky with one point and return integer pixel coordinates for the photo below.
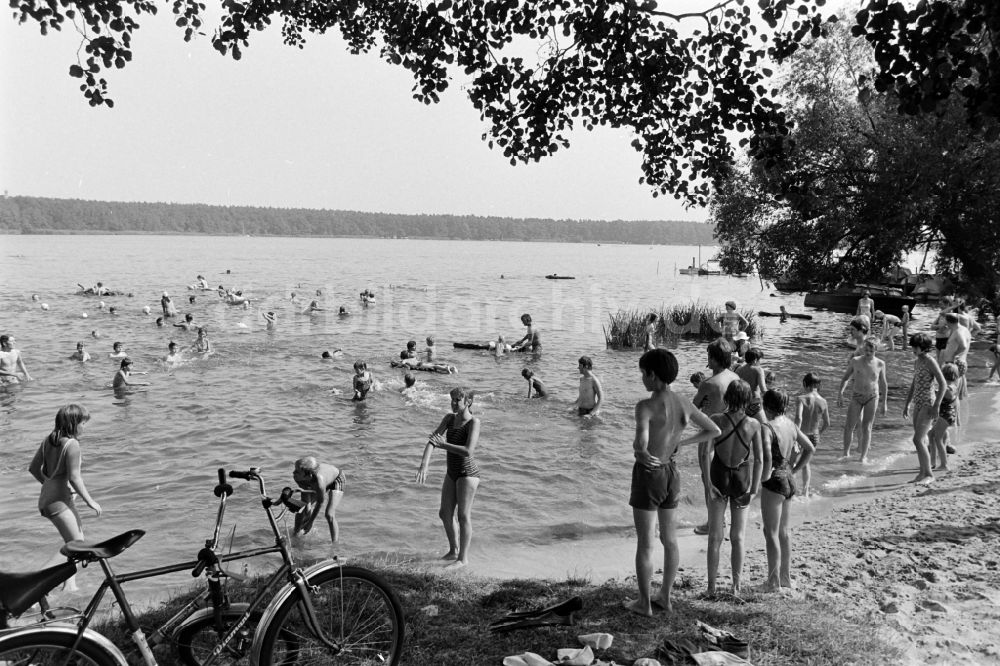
(283, 127)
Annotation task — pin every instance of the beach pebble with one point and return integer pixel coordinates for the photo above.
(934, 606)
(889, 607)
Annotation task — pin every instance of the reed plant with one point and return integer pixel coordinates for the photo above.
(699, 320)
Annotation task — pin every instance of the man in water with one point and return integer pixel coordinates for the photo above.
(188, 322)
(80, 354)
(173, 356)
(12, 368)
(709, 397)
(319, 482)
(588, 404)
(869, 384)
(660, 421)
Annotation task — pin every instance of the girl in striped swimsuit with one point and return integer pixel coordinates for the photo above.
(457, 434)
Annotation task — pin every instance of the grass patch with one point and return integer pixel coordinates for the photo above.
(448, 621)
(627, 328)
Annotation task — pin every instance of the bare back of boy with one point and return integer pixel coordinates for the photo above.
(812, 408)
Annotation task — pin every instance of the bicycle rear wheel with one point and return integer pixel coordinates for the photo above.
(355, 608)
(50, 648)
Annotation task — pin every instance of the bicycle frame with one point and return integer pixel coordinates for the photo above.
(297, 579)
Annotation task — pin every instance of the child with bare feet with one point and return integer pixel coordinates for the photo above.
(534, 383)
(780, 436)
(321, 484)
(660, 421)
(732, 466)
(947, 417)
(925, 400)
(458, 435)
(869, 385)
(812, 416)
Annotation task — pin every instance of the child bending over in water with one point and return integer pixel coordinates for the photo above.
(362, 382)
(534, 383)
(320, 483)
(812, 416)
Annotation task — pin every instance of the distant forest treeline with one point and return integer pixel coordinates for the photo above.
(33, 215)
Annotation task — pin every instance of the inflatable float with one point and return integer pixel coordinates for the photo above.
(559, 277)
(790, 315)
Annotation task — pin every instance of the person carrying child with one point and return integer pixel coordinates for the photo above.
(812, 416)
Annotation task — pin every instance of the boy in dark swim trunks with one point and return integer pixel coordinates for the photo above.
(660, 421)
(319, 482)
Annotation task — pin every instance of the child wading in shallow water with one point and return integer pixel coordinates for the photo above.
(534, 383)
(362, 382)
(660, 421)
(458, 435)
(947, 417)
(812, 416)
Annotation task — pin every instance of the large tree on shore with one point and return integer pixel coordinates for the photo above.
(856, 185)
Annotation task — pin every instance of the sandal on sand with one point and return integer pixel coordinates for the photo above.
(558, 614)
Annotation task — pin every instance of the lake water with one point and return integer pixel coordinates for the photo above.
(266, 398)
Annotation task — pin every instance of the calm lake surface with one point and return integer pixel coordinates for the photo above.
(265, 398)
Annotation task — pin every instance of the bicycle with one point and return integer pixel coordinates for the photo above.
(325, 614)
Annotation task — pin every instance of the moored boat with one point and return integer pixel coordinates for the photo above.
(845, 299)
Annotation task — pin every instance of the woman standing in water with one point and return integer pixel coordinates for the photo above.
(57, 467)
(457, 434)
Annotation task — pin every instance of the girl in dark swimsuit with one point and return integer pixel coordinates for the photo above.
(779, 437)
(458, 435)
(947, 417)
(731, 471)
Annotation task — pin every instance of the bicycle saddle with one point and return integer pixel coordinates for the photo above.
(86, 551)
(18, 591)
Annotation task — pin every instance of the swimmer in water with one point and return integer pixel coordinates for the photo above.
(312, 307)
(202, 345)
(188, 322)
(122, 378)
(80, 354)
(534, 383)
(173, 356)
(362, 382)
(270, 320)
(118, 351)
(409, 381)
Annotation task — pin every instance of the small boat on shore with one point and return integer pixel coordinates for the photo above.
(845, 299)
(553, 276)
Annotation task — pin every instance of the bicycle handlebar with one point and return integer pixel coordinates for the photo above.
(246, 476)
(223, 487)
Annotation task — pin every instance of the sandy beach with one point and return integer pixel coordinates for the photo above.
(923, 561)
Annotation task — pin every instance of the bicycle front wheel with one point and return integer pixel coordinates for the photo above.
(354, 607)
(51, 648)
